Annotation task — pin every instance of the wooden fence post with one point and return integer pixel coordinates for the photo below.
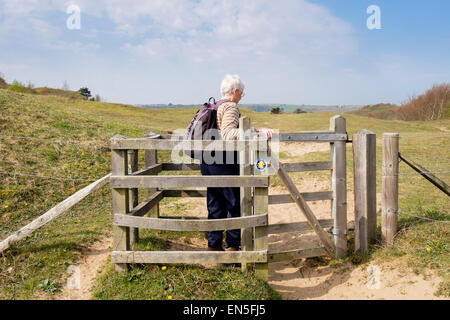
(364, 169)
(133, 196)
(120, 204)
(261, 206)
(151, 158)
(246, 168)
(389, 200)
(339, 187)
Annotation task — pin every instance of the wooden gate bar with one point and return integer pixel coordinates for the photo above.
(191, 257)
(301, 203)
(296, 254)
(296, 226)
(187, 181)
(313, 137)
(191, 225)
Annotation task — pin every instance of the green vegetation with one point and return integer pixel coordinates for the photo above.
(434, 104)
(79, 131)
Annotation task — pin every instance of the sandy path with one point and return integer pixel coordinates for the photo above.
(92, 260)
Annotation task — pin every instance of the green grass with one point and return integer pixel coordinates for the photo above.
(80, 131)
(181, 282)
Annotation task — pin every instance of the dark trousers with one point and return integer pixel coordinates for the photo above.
(223, 203)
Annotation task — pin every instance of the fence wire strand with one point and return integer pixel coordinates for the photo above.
(45, 177)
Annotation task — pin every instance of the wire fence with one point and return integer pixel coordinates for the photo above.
(45, 177)
(423, 217)
(88, 144)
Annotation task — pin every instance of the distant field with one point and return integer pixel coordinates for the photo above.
(77, 149)
(268, 107)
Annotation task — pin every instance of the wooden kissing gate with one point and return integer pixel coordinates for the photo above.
(255, 199)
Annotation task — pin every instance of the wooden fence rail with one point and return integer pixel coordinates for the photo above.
(53, 213)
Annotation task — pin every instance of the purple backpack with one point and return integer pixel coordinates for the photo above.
(205, 119)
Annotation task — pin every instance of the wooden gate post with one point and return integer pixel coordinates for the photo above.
(389, 200)
(364, 173)
(246, 168)
(151, 158)
(261, 206)
(339, 187)
(133, 193)
(120, 203)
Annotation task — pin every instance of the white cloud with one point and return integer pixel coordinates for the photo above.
(208, 30)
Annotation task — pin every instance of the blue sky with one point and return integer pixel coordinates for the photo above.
(178, 51)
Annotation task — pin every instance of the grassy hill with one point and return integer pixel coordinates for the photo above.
(70, 143)
(434, 104)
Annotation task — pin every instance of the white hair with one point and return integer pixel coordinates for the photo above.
(231, 82)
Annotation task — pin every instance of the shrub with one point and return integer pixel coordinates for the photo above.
(275, 110)
(432, 105)
(20, 87)
(3, 84)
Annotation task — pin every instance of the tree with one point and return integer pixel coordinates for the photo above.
(275, 110)
(85, 92)
(298, 110)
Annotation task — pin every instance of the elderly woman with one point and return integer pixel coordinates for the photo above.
(225, 202)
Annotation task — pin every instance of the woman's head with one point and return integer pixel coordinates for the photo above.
(232, 88)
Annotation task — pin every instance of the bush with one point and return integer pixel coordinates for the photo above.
(432, 105)
(298, 110)
(3, 84)
(20, 87)
(275, 110)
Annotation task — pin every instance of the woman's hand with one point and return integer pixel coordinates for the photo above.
(268, 132)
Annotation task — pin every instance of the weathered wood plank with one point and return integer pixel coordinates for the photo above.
(246, 168)
(301, 203)
(149, 171)
(53, 213)
(190, 257)
(313, 137)
(148, 204)
(133, 197)
(339, 187)
(308, 196)
(261, 203)
(160, 144)
(167, 166)
(187, 181)
(307, 166)
(296, 254)
(191, 225)
(364, 164)
(296, 226)
(150, 160)
(173, 193)
(389, 186)
(120, 205)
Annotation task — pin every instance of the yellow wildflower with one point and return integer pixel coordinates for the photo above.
(5, 206)
(428, 249)
(163, 268)
(169, 297)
